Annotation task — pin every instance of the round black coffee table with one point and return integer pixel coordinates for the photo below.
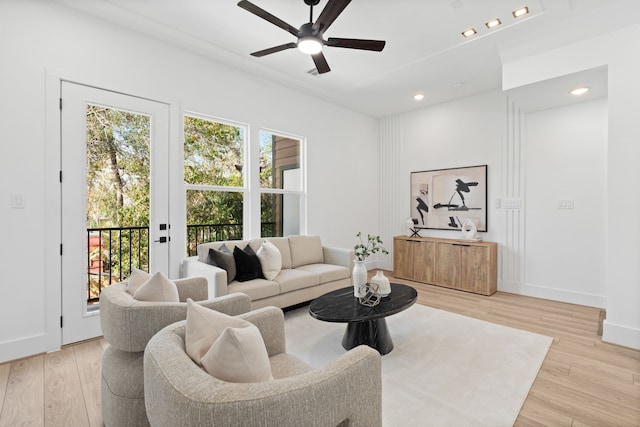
(365, 325)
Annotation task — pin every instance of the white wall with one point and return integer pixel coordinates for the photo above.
(617, 51)
(566, 159)
(41, 42)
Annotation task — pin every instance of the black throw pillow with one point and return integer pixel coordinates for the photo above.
(224, 259)
(247, 264)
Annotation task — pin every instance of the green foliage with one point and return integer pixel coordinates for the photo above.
(373, 245)
(118, 160)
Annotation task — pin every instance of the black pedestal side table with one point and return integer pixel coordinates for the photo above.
(365, 325)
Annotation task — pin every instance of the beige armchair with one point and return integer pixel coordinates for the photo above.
(128, 325)
(345, 392)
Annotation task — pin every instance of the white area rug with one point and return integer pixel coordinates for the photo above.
(445, 369)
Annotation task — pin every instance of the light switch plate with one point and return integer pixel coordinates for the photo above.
(17, 200)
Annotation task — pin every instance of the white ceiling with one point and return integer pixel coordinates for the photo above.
(425, 51)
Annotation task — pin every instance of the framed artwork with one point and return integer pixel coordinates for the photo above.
(444, 199)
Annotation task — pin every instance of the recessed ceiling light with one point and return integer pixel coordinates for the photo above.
(493, 23)
(520, 12)
(418, 97)
(580, 91)
(470, 32)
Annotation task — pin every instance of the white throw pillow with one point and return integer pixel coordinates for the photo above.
(137, 278)
(270, 260)
(203, 327)
(239, 356)
(158, 289)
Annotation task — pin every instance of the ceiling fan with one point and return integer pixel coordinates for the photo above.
(310, 35)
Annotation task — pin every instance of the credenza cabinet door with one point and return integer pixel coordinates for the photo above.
(449, 262)
(424, 261)
(403, 259)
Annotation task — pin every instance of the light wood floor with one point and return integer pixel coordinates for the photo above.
(582, 382)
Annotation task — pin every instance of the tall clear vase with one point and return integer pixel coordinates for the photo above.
(358, 277)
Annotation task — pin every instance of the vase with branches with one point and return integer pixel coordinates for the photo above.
(362, 251)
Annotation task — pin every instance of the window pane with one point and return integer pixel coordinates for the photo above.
(280, 215)
(277, 154)
(213, 153)
(213, 216)
(118, 159)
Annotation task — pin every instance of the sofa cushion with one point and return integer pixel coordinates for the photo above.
(256, 289)
(238, 355)
(293, 279)
(224, 259)
(305, 250)
(203, 248)
(136, 279)
(327, 272)
(203, 327)
(158, 289)
(270, 260)
(282, 243)
(247, 264)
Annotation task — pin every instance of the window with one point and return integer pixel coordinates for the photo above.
(281, 185)
(214, 163)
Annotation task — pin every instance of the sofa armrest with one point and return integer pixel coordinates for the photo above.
(270, 323)
(216, 276)
(339, 256)
(196, 288)
(232, 304)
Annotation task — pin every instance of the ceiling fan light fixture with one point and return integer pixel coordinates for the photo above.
(309, 45)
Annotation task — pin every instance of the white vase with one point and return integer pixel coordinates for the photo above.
(384, 287)
(358, 277)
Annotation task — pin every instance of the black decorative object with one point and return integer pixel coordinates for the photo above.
(444, 199)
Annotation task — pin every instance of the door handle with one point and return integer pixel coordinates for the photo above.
(162, 239)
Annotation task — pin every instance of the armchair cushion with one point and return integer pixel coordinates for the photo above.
(203, 328)
(157, 289)
(136, 279)
(238, 356)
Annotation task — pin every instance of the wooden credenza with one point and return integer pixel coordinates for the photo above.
(457, 264)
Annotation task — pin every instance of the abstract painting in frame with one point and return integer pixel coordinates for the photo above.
(444, 199)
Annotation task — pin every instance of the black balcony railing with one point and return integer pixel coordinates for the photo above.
(111, 255)
(114, 251)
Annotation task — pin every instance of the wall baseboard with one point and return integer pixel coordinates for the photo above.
(554, 294)
(24, 347)
(621, 335)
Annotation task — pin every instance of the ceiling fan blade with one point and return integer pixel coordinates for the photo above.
(274, 49)
(329, 14)
(321, 63)
(250, 7)
(376, 45)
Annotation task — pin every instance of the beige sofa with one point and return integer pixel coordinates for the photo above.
(309, 270)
